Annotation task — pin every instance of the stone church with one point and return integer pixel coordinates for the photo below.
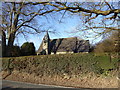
(63, 45)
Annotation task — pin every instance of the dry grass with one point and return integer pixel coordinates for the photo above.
(86, 81)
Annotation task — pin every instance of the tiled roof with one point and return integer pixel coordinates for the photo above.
(63, 44)
(72, 44)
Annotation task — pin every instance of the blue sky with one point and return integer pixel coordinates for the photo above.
(65, 28)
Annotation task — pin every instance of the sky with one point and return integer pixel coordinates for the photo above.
(64, 27)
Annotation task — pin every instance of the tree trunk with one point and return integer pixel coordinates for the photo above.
(10, 44)
(3, 44)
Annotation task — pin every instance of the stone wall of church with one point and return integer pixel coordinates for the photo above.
(62, 52)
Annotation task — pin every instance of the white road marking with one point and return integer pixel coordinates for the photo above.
(37, 84)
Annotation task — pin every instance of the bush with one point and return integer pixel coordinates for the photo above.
(16, 51)
(72, 64)
(109, 45)
(28, 49)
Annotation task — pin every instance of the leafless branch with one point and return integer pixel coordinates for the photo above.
(36, 30)
(92, 18)
(108, 5)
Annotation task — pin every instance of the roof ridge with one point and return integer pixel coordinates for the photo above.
(64, 38)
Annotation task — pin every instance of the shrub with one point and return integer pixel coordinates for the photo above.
(15, 51)
(72, 64)
(110, 44)
(28, 49)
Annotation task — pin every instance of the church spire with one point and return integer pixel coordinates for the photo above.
(46, 43)
(47, 35)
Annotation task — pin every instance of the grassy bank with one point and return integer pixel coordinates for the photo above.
(78, 70)
(71, 64)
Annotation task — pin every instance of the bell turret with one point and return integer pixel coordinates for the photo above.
(46, 43)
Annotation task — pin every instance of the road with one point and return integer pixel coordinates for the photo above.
(11, 85)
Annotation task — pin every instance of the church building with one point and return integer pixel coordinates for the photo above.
(63, 45)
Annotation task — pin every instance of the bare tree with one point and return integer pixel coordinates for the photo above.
(91, 10)
(18, 15)
(99, 17)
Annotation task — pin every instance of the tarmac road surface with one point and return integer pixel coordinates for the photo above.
(14, 85)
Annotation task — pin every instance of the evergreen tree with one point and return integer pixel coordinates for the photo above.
(28, 49)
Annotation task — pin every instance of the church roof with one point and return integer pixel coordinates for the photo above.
(40, 48)
(72, 44)
(63, 44)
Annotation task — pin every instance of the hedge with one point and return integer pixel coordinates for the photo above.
(72, 64)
